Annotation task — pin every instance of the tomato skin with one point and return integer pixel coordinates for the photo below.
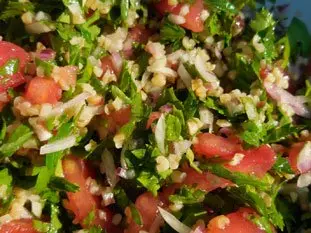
(205, 181)
(152, 117)
(107, 65)
(18, 226)
(82, 202)
(210, 146)
(293, 155)
(238, 223)
(118, 118)
(147, 205)
(11, 51)
(140, 34)
(193, 20)
(43, 90)
(256, 161)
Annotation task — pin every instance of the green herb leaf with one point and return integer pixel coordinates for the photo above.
(222, 5)
(188, 195)
(9, 68)
(61, 184)
(299, 38)
(172, 34)
(20, 135)
(262, 21)
(173, 128)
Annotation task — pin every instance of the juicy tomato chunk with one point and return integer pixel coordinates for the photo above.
(18, 226)
(152, 117)
(43, 90)
(147, 205)
(140, 34)
(193, 18)
(118, 118)
(82, 202)
(237, 222)
(113, 63)
(256, 161)
(205, 181)
(210, 145)
(293, 155)
(10, 51)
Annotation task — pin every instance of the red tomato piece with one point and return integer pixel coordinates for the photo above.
(18, 226)
(237, 222)
(205, 181)
(293, 155)
(147, 205)
(256, 161)
(140, 34)
(11, 51)
(43, 90)
(118, 118)
(210, 145)
(82, 202)
(193, 19)
(152, 117)
(108, 64)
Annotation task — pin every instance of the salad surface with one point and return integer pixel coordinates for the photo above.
(155, 116)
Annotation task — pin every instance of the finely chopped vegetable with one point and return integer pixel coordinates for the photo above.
(189, 116)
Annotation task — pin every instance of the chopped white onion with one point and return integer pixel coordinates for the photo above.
(37, 28)
(184, 75)
(160, 134)
(207, 118)
(174, 222)
(304, 180)
(181, 147)
(110, 168)
(205, 74)
(71, 103)
(304, 158)
(58, 145)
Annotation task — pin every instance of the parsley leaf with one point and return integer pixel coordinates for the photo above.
(172, 34)
(20, 135)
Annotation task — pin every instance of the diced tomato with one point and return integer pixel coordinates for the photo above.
(293, 155)
(11, 51)
(82, 202)
(18, 226)
(193, 19)
(205, 181)
(152, 117)
(147, 205)
(140, 34)
(237, 222)
(210, 145)
(118, 118)
(109, 64)
(256, 161)
(43, 90)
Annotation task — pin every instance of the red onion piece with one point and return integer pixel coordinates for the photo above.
(47, 55)
(167, 108)
(283, 96)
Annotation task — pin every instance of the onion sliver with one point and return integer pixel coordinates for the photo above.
(174, 222)
(58, 145)
(110, 168)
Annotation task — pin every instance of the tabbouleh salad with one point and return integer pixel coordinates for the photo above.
(155, 116)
